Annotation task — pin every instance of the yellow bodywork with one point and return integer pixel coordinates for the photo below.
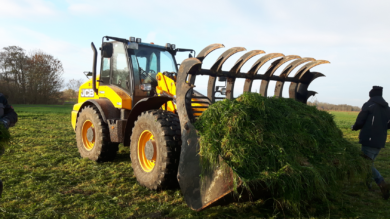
(119, 98)
(166, 86)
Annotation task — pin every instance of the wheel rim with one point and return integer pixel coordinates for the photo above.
(146, 164)
(88, 141)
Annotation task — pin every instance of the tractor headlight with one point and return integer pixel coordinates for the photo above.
(138, 40)
(132, 39)
(146, 87)
(170, 46)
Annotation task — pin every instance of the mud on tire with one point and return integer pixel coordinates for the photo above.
(164, 129)
(93, 137)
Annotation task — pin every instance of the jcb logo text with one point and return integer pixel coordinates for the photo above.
(87, 93)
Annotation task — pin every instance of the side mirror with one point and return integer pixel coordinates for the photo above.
(87, 74)
(107, 50)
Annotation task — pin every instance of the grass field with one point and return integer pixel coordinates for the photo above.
(45, 177)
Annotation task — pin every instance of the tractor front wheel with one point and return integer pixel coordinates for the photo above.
(93, 137)
(155, 149)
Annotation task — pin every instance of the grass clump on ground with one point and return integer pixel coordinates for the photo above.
(297, 151)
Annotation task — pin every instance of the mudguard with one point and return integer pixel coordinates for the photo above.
(143, 105)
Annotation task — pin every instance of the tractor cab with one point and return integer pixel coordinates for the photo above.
(133, 66)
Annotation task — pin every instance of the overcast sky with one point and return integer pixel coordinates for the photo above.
(353, 35)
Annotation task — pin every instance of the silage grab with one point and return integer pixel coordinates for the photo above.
(216, 185)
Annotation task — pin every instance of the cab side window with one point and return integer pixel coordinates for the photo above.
(105, 74)
(153, 63)
(120, 70)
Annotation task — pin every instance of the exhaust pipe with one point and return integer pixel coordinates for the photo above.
(94, 68)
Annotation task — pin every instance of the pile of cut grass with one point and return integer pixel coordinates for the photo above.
(294, 149)
(5, 137)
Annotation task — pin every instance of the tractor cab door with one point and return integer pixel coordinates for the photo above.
(115, 69)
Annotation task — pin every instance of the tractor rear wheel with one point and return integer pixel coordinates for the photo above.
(93, 137)
(155, 149)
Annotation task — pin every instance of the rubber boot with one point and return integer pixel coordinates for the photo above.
(384, 190)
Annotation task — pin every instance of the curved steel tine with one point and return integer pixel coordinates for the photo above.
(300, 74)
(217, 67)
(243, 59)
(256, 66)
(309, 94)
(188, 66)
(286, 71)
(271, 70)
(289, 68)
(309, 77)
(302, 93)
(308, 66)
(191, 79)
(208, 49)
(202, 55)
(260, 62)
(236, 69)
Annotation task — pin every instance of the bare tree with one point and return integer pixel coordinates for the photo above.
(44, 77)
(13, 70)
(30, 79)
(73, 86)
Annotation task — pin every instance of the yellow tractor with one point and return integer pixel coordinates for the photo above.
(142, 100)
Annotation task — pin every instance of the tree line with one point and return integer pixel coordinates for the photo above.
(34, 78)
(328, 106)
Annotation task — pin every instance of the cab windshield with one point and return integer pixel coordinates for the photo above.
(148, 61)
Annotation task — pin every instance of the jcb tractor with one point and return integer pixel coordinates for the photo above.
(142, 100)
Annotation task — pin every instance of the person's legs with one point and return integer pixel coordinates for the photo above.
(371, 153)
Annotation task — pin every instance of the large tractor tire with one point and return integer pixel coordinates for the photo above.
(93, 136)
(155, 149)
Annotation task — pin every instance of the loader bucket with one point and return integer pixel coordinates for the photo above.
(215, 187)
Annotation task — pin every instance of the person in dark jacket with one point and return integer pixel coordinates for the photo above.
(373, 120)
(8, 118)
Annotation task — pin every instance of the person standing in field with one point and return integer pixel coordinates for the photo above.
(8, 118)
(373, 120)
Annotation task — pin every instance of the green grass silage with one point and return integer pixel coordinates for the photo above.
(295, 149)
